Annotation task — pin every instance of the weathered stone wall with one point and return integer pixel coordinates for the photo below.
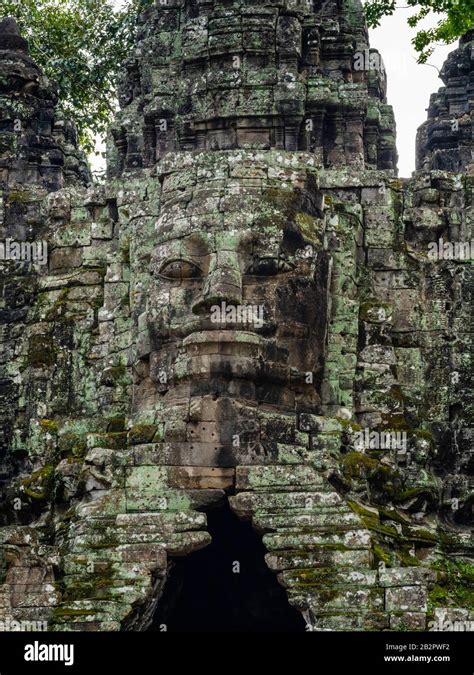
(445, 140)
(128, 413)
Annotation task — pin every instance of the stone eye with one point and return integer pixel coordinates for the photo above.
(179, 269)
(268, 266)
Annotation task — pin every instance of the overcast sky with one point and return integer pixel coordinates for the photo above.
(409, 84)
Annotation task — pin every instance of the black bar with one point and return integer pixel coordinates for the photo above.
(137, 653)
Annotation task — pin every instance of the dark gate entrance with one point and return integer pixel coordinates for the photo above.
(206, 592)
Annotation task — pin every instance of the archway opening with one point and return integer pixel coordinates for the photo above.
(225, 587)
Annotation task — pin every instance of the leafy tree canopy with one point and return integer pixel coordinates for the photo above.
(456, 17)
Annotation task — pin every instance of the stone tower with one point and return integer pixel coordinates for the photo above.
(252, 313)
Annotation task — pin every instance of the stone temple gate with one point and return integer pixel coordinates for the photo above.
(251, 313)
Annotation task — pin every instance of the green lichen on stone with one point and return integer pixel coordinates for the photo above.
(72, 445)
(455, 584)
(141, 433)
(49, 426)
(136, 416)
(40, 484)
(19, 197)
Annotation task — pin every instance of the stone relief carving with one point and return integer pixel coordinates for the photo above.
(245, 317)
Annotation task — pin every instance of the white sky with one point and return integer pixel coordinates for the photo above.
(409, 83)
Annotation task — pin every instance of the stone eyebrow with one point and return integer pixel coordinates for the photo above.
(197, 241)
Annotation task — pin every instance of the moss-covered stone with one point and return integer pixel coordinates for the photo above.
(40, 484)
(141, 433)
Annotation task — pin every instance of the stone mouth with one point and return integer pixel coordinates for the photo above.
(184, 332)
(220, 336)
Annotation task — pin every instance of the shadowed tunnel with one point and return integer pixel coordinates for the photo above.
(206, 593)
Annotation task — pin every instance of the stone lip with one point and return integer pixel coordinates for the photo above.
(222, 335)
(10, 37)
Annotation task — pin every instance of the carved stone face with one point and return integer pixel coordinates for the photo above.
(237, 304)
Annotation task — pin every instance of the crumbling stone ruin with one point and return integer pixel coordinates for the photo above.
(253, 312)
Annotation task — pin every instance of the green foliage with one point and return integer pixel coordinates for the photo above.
(456, 17)
(81, 45)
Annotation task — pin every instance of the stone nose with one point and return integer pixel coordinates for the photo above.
(222, 284)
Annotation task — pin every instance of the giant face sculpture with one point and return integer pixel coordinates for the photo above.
(227, 109)
(236, 317)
